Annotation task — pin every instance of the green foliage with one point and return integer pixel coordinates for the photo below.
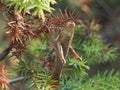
(91, 46)
(92, 49)
(38, 47)
(86, 42)
(36, 77)
(102, 81)
(36, 7)
(31, 67)
(75, 69)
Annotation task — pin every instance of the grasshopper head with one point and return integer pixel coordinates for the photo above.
(70, 24)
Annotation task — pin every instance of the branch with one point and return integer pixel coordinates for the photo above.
(16, 80)
(5, 53)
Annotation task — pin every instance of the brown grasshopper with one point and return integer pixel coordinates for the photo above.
(62, 45)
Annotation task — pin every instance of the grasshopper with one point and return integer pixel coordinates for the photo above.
(62, 45)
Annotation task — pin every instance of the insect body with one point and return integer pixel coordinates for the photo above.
(62, 47)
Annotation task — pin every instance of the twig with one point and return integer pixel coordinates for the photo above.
(5, 53)
(16, 80)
